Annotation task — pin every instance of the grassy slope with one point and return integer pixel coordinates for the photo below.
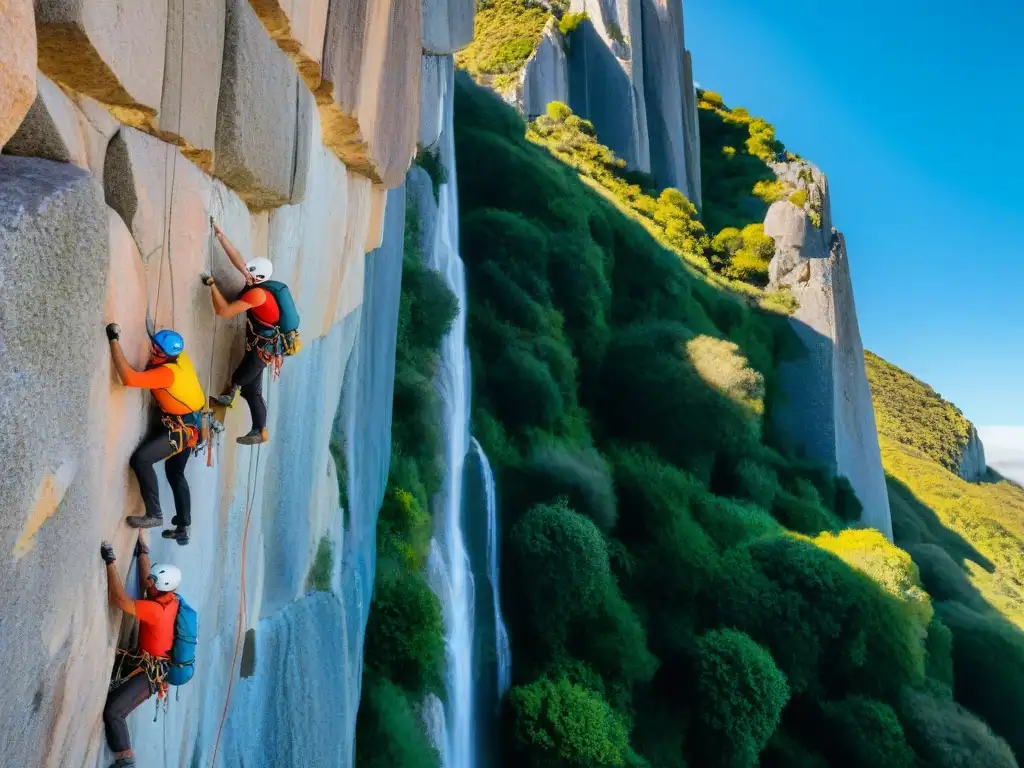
(505, 35)
(966, 538)
(660, 611)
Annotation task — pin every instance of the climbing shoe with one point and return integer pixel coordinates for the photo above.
(180, 535)
(144, 521)
(123, 762)
(255, 437)
(225, 400)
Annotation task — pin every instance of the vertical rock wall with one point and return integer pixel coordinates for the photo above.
(826, 409)
(105, 198)
(545, 77)
(606, 76)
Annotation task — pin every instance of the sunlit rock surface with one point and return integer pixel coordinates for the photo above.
(825, 410)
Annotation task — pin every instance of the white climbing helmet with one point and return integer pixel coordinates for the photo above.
(165, 577)
(261, 269)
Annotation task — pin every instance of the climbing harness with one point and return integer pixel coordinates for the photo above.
(269, 345)
(142, 663)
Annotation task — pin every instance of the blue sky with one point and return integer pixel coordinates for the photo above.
(915, 111)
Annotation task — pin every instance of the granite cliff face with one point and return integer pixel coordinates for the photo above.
(286, 122)
(826, 411)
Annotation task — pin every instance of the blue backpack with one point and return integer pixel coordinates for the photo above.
(183, 652)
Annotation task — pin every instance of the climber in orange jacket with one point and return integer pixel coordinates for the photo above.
(139, 675)
(271, 312)
(177, 391)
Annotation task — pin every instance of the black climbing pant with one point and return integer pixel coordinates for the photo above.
(158, 447)
(249, 378)
(121, 702)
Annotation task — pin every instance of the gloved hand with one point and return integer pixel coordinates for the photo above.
(107, 552)
(140, 546)
(113, 332)
(206, 277)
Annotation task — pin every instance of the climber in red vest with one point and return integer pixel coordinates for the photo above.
(272, 332)
(175, 385)
(137, 676)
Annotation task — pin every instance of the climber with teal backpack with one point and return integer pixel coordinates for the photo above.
(272, 334)
(168, 632)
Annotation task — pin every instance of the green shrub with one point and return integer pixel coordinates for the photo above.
(770, 191)
(570, 21)
(319, 578)
(561, 724)
(784, 751)
(756, 482)
(406, 525)
(404, 635)
(712, 98)
(562, 564)
(730, 523)
(506, 33)
(802, 516)
(389, 730)
(581, 476)
(525, 391)
(799, 198)
(861, 732)
(988, 669)
(430, 161)
(692, 397)
(939, 645)
(945, 735)
(558, 111)
(740, 695)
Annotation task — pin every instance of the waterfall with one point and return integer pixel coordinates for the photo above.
(502, 652)
(450, 573)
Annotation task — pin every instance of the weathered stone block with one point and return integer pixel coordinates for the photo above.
(17, 64)
(191, 85)
(259, 114)
(53, 252)
(113, 52)
(447, 25)
(371, 85)
(52, 128)
(298, 27)
(545, 77)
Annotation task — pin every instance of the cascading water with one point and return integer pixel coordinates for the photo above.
(502, 652)
(450, 573)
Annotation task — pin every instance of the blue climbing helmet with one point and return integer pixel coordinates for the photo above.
(169, 342)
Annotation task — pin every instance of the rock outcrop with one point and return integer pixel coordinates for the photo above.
(972, 461)
(606, 76)
(447, 25)
(826, 410)
(17, 64)
(545, 77)
(670, 99)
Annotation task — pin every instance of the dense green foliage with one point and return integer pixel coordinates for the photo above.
(404, 646)
(967, 540)
(910, 412)
(505, 35)
(650, 583)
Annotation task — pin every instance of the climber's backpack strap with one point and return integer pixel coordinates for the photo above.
(183, 651)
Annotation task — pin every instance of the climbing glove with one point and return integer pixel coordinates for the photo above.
(141, 549)
(207, 278)
(113, 332)
(107, 552)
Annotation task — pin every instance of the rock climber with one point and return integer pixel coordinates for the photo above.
(177, 391)
(271, 334)
(139, 675)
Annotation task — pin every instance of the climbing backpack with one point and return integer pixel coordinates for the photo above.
(183, 651)
(289, 320)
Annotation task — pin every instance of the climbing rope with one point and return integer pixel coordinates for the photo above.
(250, 499)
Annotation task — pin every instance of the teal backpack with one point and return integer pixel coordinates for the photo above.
(183, 651)
(289, 315)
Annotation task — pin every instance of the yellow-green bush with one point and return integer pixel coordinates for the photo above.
(506, 33)
(799, 198)
(769, 191)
